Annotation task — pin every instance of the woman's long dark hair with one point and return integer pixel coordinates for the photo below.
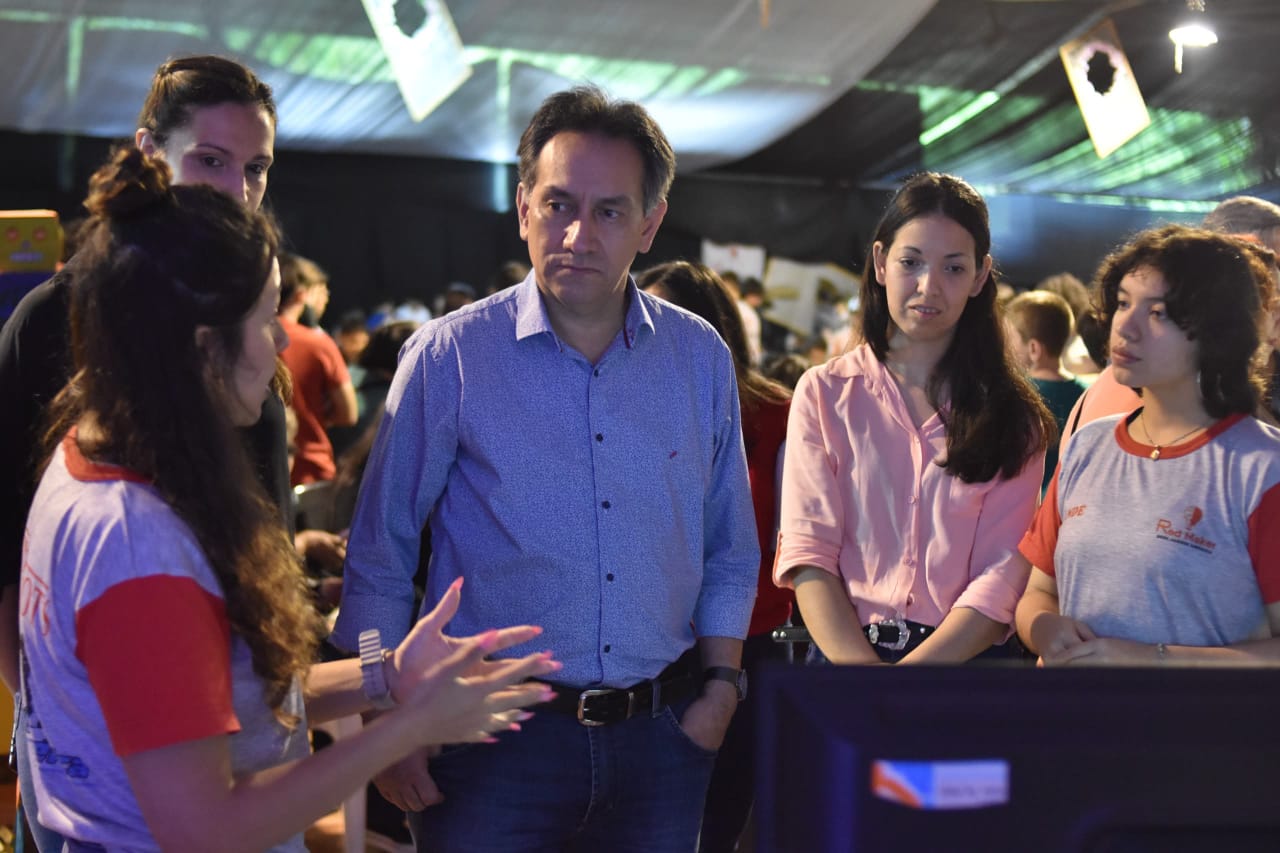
(158, 262)
(995, 419)
(1216, 289)
(697, 288)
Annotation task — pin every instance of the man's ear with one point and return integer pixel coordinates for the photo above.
(651, 222)
(522, 210)
(1036, 350)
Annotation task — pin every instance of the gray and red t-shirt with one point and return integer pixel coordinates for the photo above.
(127, 648)
(1184, 549)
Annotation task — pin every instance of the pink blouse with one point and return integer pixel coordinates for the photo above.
(863, 499)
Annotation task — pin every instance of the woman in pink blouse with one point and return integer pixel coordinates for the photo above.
(914, 460)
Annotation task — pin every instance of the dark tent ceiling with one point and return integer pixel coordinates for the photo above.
(991, 73)
(840, 92)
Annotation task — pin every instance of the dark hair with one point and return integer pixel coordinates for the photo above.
(1214, 294)
(786, 370)
(696, 288)
(996, 420)
(1245, 214)
(190, 82)
(353, 321)
(1042, 316)
(298, 273)
(385, 342)
(587, 109)
(1071, 289)
(751, 286)
(158, 262)
(1093, 333)
(508, 274)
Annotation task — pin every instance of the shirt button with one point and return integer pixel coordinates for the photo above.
(605, 504)
(599, 436)
(911, 500)
(595, 372)
(607, 647)
(609, 576)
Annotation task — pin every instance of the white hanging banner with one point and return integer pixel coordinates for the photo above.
(1105, 88)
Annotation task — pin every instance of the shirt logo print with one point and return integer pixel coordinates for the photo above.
(1167, 531)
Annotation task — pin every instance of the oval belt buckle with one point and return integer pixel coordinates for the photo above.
(904, 634)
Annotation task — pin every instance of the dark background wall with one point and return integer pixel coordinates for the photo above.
(396, 228)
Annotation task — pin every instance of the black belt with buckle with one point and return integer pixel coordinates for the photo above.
(896, 634)
(600, 706)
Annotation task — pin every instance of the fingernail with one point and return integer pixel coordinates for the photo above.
(513, 727)
(525, 715)
(456, 584)
(490, 739)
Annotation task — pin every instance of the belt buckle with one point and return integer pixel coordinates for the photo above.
(904, 634)
(582, 705)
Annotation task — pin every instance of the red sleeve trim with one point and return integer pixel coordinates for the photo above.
(1041, 540)
(1264, 544)
(158, 653)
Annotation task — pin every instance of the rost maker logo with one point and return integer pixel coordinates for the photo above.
(1185, 534)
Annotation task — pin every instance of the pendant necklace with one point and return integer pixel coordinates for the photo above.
(1157, 448)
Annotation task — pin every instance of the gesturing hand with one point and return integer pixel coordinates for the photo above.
(461, 695)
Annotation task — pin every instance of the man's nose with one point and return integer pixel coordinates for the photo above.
(577, 237)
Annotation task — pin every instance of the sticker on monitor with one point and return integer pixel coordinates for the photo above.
(941, 784)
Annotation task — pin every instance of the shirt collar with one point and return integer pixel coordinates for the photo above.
(532, 318)
(86, 470)
(859, 361)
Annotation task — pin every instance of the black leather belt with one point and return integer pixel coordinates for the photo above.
(600, 706)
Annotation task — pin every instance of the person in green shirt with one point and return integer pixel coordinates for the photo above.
(1040, 325)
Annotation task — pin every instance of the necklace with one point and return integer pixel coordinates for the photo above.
(1155, 454)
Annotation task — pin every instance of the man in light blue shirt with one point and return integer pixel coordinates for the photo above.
(575, 446)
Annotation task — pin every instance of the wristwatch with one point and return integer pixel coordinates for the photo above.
(736, 677)
(373, 677)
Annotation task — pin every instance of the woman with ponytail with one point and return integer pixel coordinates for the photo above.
(164, 618)
(213, 121)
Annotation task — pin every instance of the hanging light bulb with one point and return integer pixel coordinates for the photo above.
(1193, 30)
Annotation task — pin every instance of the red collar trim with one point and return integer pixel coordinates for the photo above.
(88, 471)
(1170, 451)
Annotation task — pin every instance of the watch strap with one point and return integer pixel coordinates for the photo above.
(736, 677)
(373, 677)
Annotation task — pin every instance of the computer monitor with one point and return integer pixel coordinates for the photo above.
(897, 759)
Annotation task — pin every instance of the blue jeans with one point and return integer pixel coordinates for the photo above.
(637, 785)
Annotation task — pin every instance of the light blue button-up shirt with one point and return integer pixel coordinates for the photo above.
(608, 503)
